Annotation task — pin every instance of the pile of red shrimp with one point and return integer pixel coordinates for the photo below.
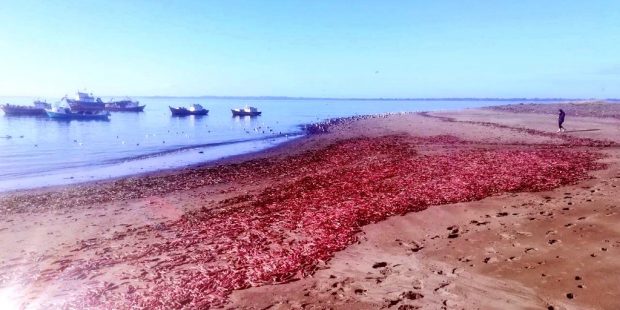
(317, 205)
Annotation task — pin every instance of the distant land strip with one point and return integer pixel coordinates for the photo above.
(524, 99)
(385, 99)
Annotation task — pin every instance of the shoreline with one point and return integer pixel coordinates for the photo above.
(282, 148)
(307, 130)
(106, 180)
(267, 171)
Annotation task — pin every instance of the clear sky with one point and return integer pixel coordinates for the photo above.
(319, 48)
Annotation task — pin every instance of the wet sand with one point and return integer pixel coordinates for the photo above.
(517, 250)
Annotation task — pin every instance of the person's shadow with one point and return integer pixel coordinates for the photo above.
(583, 130)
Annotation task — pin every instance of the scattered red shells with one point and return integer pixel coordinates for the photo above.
(319, 204)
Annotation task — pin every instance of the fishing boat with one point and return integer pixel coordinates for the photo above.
(194, 109)
(64, 113)
(126, 105)
(38, 109)
(85, 102)
(246, 111)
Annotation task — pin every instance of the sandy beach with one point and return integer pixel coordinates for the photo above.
(475, 209)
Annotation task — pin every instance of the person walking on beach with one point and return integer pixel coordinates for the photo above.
(561, 120)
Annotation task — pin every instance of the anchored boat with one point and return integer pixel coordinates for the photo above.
(63, 113)
(194, 109)
(246, 111)
(85, 102)
(126, 105)
(38, 109)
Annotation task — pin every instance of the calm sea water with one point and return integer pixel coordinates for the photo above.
(43, 152)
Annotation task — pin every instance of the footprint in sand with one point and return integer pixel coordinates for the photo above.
(412, 246)
(477, 223)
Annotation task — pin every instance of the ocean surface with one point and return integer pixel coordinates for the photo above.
(37, 151)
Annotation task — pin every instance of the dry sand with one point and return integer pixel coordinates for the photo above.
(513, 251)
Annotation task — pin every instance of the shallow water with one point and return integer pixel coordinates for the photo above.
(37, 151)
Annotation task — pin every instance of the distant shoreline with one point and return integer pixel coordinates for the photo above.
(384, 99)
(353, 98)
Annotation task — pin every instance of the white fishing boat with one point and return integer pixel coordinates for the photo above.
(246, 111)
(64, 113)
(194, 109)
(85, 102)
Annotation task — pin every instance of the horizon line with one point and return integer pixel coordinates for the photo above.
(358, 98)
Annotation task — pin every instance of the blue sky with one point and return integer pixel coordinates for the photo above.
(440, 48)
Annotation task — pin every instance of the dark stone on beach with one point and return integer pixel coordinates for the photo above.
(416, 248)
(412, 295)
(379, 265)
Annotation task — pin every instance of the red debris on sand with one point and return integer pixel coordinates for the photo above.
(284, 232)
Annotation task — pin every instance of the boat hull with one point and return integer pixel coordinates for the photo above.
(245, 113)
(78, 116)
(186, 112)
(22, 111)
(77, 105)
(125, 109)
